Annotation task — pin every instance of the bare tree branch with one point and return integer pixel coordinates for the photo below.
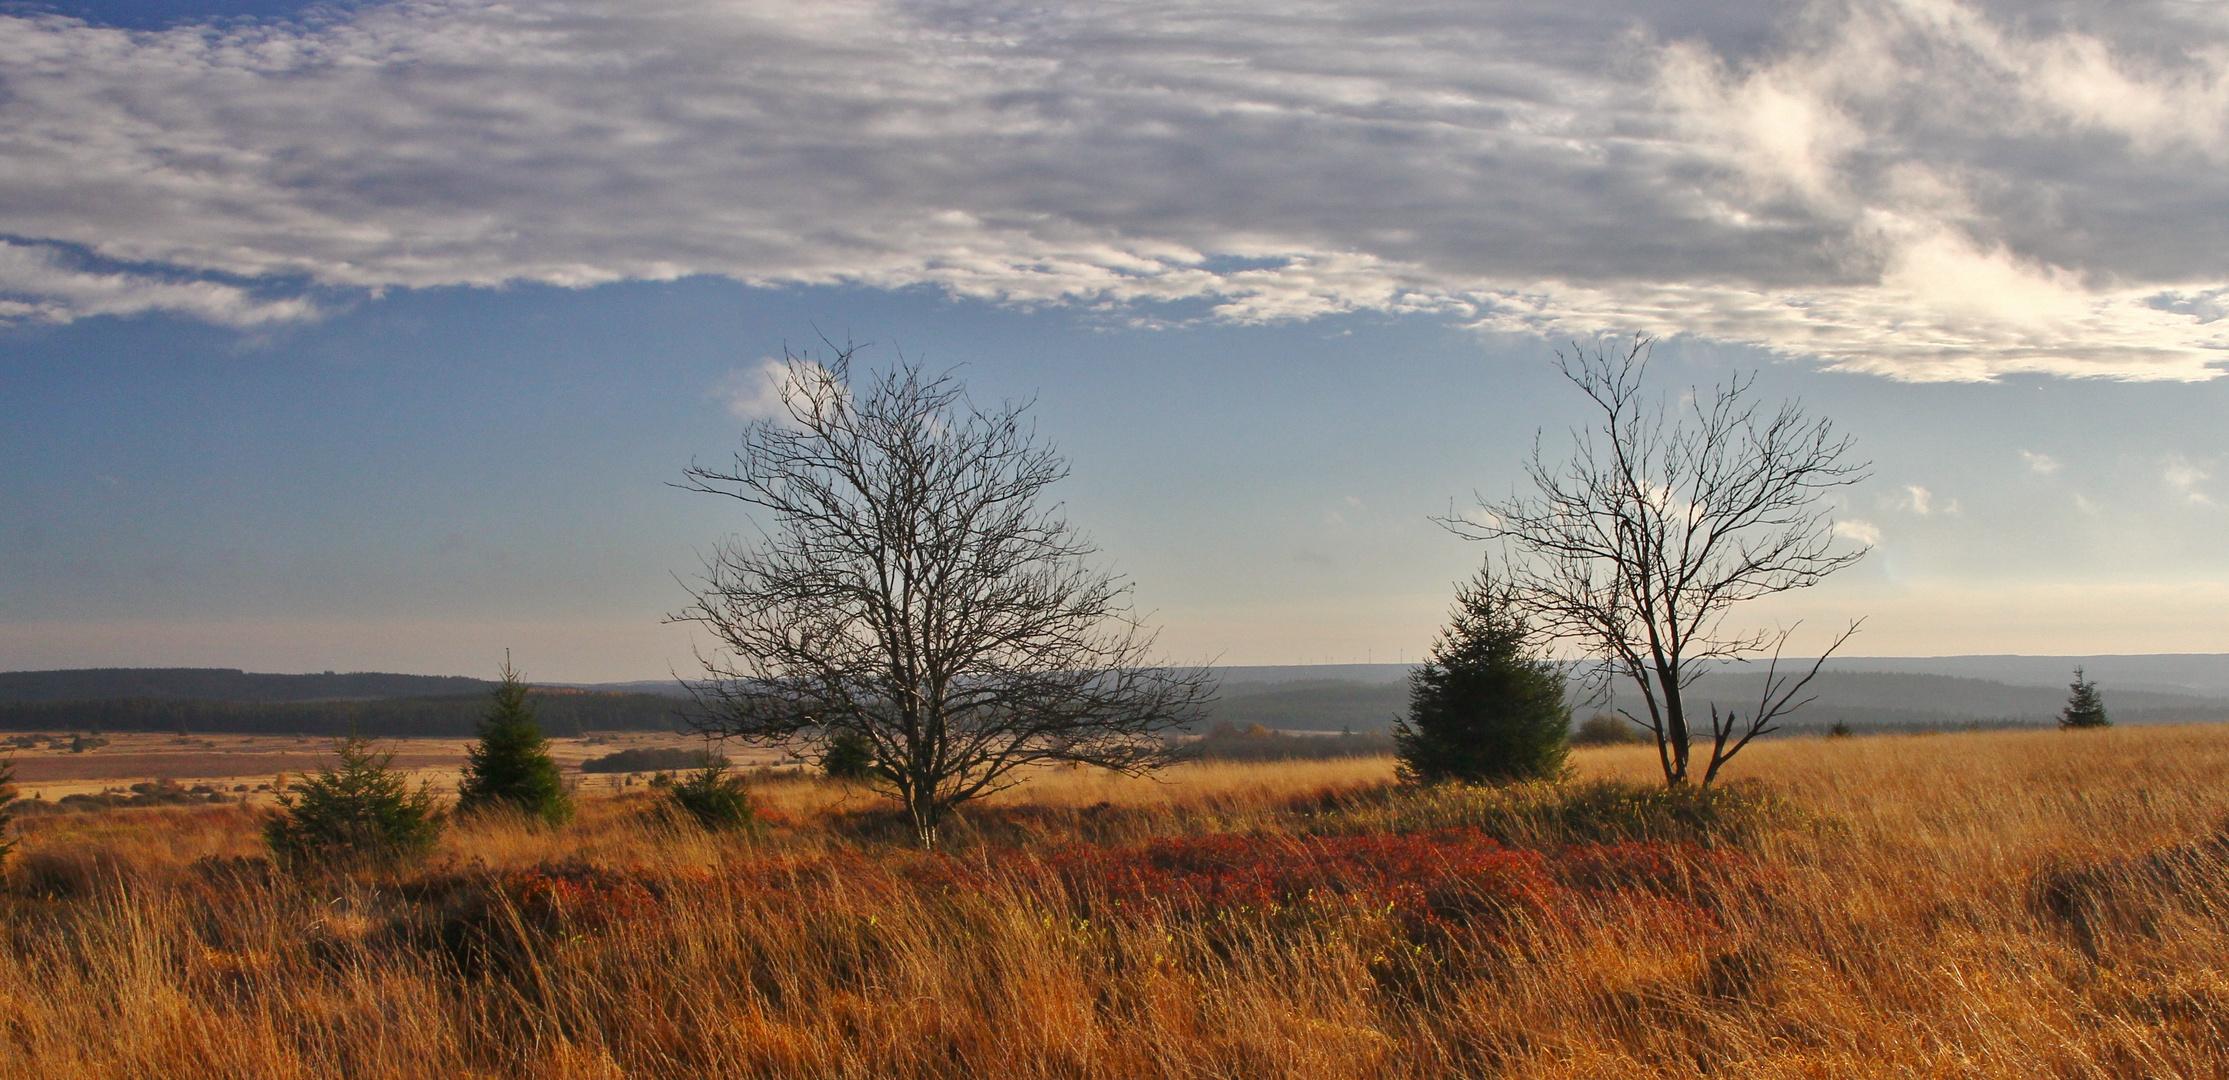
(909, 584)
(1662, 519)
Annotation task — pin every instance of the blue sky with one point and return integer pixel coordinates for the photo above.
(370, 337)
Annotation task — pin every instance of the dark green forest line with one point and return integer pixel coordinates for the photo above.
(224, 684)
(561, 712)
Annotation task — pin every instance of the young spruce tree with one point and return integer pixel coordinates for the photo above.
(510, 767)
(358, 811)
(1484, 707)
(2084, 708)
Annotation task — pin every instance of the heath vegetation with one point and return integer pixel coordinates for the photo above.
(2031, 904)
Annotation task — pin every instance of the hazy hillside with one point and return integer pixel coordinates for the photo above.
(2204, 674)
(1894, 701)
(1865, 692)
(1318, 705)
(1898, 698)
(562, 712)
(223, 684)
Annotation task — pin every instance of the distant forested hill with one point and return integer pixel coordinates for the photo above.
(562, 712)
(224, 684)
(1314, 705)
(1866, 700)
(1907, 701)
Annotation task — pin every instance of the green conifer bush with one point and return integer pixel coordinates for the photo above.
(1484, 706)
(510, 767)
(359, 811)
(712, 797)
(849, 755)
(2084, 708)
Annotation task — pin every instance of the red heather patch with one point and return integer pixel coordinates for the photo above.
(1440, 877)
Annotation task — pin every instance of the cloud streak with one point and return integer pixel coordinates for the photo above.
(1904, 187)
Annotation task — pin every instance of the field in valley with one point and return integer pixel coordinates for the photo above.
(47, 769)
(2011, 904)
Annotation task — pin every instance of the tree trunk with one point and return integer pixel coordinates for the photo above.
(923, 810)
(1675, 725)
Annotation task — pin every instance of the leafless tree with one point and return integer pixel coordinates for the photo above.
(1664, 517)
(910, 586)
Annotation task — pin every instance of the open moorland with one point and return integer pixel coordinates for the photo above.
(244, 766)
(2006, 904)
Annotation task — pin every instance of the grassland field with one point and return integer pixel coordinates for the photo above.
(2007, 904)
(51, 772)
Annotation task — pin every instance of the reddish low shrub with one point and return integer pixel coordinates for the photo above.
(1437, 878)
(488, 920)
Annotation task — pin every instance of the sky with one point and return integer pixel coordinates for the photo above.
(375, 336)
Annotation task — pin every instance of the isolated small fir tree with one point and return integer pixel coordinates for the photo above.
(712, 797)
(510, 767)
(358, 811)
(849, 755)
(1840, 730)
(1484, 706)
(2084, 708)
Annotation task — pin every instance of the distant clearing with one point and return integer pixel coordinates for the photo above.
(200, 766)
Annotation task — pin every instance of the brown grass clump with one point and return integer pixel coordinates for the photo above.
(1989, 905)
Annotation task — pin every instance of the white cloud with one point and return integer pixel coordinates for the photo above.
(2185, 478)
(755, 393)
(1864, 532)
(1914, 188)
(1914, 499)
(38, 283)
(2041, 464)
(764, 392)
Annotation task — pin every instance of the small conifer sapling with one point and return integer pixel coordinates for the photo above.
(358, 811)
(2084, 708)
(849, 755)
(510, 768)
(712, 797)
(1484, 706)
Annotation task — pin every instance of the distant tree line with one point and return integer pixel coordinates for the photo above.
(1228, 742)
(224, 684)
(561, 713)
(652, 759)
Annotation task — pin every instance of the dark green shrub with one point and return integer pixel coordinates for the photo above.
(510, 767)
(358, 811)
(1603, 729)
(157, 793)
(712, 797)
(2084, 708)
(650, 759)
(1484, 706)
(849, 755)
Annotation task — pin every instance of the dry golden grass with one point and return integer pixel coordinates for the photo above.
(1990, 905)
